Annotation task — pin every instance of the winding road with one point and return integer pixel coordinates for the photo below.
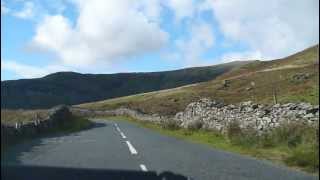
(121, 145)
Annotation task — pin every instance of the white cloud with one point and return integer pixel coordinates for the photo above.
(27, 12)
(182, 8)
(28, 71)
(241, 56)
(201, 39)
(150, 8)
(104, 31)
(4, 9)
(276, 28)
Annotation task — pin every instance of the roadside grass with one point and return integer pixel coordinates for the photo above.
(19, 116)
(291, 146)
(71, 124)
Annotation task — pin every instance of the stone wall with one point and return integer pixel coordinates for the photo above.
(214, 115)
(13, 132)
(210, 114)
(156, 118)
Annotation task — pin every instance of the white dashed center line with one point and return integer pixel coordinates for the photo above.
(131, 148)
(143, 167)
(122, 135)
(119, 130)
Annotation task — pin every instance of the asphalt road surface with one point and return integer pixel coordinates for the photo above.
(120, 145)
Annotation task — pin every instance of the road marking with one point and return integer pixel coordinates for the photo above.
(122, 135)
(131, 148)
(143, 167)
(118, 129)
(116, 125)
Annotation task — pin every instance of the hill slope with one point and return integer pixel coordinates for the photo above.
(292, 79)
(74, 88)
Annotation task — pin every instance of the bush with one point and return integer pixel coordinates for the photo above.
(170, 124)
(187, 132)
(234, 130)
(267, 140)
(290, 135)
(194, 125)
(293, 134)
(244, 137)
(302, 141)
(74, 123)
(305, 155)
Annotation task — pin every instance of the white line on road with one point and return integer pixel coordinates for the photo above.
(131, 148)
(122, 135)
(116, 125)
(143, 167)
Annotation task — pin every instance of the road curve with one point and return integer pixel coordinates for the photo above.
(120, 145)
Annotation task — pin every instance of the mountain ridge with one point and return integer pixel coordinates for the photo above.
(257, 81)
(74, 88)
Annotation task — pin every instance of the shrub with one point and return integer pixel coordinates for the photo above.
(290, 135)
(194, 125)
(170, 124)
(305, 155)
(244, 137)
(187, 132)
(234, 130)
(267, 140)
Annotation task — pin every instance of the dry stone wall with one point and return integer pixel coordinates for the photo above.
(214, 115)
(155, 118)
(210, 114)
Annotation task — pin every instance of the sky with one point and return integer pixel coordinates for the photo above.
(39, 37)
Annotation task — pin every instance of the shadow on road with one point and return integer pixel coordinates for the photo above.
(54, 173)
(96, 124)
(14, 152)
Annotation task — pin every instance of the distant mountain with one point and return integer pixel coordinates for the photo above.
(75, 88)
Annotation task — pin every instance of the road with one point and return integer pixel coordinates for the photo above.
(120, 145)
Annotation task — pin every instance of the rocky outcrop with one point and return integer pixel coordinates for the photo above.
(210, 114)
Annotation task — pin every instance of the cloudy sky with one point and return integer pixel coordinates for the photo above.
(39, 37)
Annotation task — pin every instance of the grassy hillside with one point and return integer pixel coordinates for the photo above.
(292, 79)
(74, 88)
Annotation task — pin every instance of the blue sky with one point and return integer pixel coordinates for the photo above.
(39, 37)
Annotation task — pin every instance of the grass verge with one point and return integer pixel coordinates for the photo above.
(73, 124)
(300, 156)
